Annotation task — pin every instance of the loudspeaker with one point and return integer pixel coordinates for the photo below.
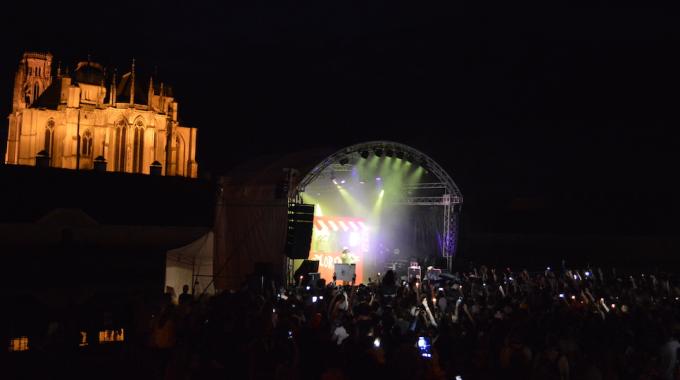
(300, 227)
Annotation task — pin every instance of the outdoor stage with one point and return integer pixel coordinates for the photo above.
(385, 203)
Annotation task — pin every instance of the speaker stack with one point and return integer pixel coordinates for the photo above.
(300, 227)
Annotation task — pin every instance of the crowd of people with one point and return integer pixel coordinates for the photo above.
(481, 323)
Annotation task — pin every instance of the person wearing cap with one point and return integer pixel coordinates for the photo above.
(346, 257)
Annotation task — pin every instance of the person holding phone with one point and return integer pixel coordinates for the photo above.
(425, 347)
(429, 354)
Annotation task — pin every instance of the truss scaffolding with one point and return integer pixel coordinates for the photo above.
(449, 196)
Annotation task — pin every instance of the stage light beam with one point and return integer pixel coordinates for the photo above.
(373, 163)
(354, 205)
(377, 207)
(415, 177)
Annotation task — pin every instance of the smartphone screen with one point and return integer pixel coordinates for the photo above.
(425, 347)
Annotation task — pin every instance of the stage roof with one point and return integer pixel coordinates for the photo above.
(268, 170)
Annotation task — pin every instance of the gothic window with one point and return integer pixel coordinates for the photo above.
(138, 152)
(36, 91)
(86, 146)
(119, 146)
(49, 137)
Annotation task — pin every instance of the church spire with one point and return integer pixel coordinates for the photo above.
(102, 86)
(112, 96)
(150, 96)
(132, 84)
(161, 102)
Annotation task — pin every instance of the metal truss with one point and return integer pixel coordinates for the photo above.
(427, 185)
(424, 201)
(444, 200)
(408, 152)
(341, 168)
(451, 199)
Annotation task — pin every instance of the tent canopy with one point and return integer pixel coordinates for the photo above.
(191, 265)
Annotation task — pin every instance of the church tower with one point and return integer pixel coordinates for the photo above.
(32, 78)
(71, 121)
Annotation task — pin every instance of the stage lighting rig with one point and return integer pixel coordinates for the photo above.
(364, 154)
(378, 152)
(344, 161)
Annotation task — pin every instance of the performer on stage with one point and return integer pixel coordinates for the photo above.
(346, 257)
(349, 262)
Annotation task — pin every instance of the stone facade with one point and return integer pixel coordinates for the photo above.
(90, 118)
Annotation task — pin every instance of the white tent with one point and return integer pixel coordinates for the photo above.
(191, 265)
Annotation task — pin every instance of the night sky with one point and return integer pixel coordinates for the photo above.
(537, 109)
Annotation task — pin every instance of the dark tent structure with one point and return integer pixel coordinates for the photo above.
(251, 216)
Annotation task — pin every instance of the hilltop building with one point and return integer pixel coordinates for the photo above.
(91, 119)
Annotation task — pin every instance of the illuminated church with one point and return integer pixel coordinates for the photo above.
(90, 120)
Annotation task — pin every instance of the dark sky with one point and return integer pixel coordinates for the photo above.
(559, 102)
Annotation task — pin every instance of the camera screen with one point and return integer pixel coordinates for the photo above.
(424, 346)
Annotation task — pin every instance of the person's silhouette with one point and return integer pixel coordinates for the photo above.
(185, 298)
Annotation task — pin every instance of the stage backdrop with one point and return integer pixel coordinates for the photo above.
(331, 235)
